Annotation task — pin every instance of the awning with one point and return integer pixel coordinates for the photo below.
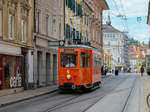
(9, 54)
(12, 50)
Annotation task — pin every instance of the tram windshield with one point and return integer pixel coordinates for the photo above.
(69, 60)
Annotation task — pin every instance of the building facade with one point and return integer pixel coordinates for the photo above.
(148, 50)
(137, 57)
(49, 27)
(16, 47)
(83, 20)
(77, 24)
(148, 15)
(116, 43)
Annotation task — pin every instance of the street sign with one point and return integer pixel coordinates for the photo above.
(56, 43)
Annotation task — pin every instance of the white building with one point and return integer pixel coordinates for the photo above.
(115, 42)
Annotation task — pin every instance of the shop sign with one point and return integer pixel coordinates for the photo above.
(15, 81)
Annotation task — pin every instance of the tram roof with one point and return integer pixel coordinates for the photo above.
(80, 46)
(76, 46)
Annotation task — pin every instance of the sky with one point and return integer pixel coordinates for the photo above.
(136, 13)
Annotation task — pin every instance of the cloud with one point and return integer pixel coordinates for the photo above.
(133, 9)
(130, 7)
(141, 37)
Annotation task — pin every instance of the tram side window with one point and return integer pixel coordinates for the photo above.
(85, 60)
(97, 62)
(68, 60)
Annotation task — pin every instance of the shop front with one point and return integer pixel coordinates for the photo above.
(10, 71)
(10, 66)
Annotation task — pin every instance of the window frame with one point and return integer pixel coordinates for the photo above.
(23, 31)
(11, 26)
(1, 23)
(87, 60)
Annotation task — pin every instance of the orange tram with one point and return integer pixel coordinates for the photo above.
(79, 67)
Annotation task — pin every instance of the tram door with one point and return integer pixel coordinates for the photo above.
(85, 66)
(1, 72)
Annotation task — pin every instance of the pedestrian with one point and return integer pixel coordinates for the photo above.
(116, 72)
(142, 70)
(102, 70)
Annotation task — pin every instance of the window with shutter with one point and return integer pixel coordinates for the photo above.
(1, 23)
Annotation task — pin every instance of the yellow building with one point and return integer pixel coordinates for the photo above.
(108, 59)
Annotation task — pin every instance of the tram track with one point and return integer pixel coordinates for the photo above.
(110, 93)
(128, 97)
(71, 100)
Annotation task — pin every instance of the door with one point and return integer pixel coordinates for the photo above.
(85, 67)
(47, 68)
(1, 72)
(54, 68)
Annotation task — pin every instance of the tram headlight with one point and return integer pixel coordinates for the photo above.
(68, 76)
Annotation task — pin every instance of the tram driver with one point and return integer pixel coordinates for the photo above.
(70, 63)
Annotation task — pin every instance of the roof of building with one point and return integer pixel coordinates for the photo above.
(110, 28)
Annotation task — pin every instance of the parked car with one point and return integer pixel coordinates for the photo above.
(148, 70)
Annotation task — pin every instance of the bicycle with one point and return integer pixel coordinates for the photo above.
(148, 100)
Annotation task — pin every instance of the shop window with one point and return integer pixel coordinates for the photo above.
(7, 75)
(7, 71)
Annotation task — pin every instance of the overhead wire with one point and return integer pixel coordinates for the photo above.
(125, 17)
(120, 15)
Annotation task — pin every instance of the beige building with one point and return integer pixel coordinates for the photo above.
(49, 27)
(16, 27)
(96, 27)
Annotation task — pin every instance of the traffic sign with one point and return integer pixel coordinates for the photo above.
(56, 43)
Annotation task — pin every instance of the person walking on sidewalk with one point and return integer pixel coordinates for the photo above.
(142, 70)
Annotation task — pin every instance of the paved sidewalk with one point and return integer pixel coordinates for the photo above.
(146, 84)
(26, 95)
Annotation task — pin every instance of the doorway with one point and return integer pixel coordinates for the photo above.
(47, 68)
(1, 72)
(39, 66)
(54, 68)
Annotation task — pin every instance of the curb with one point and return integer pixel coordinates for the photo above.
(32, 97)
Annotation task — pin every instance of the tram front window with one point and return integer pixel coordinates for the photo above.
(68, 60)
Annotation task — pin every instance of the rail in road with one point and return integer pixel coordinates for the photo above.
(61, 102)
(128, 98)
(71, 100)
(148, 100)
